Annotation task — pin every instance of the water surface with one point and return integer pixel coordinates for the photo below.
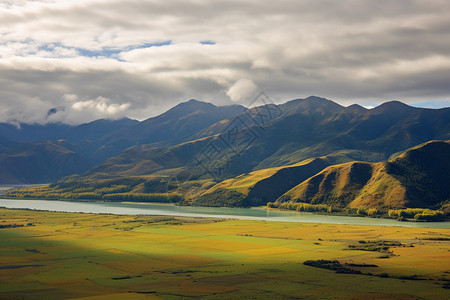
(120, 208)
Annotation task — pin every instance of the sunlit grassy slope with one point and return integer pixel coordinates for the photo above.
(417, 178)
(245, 183)
(262, 186)
(64, 255)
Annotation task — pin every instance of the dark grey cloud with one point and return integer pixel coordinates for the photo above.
(94, 58)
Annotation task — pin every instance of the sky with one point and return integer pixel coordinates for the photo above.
(77, 61)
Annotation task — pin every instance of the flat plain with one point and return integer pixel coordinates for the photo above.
(68, 255)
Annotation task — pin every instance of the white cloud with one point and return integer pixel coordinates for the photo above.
(242, 91)
(75, 110)
(100, 105)
(352, 50)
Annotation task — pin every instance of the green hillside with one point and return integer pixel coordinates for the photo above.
(416, 179)
(262, 186)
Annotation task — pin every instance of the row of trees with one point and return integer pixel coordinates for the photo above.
(113, 193)
(143, 197)
(302, 207)
(416, 214)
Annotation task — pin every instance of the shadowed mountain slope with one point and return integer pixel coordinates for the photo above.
(40, 162)
(286, 134)
(177, 125)
(98, 140)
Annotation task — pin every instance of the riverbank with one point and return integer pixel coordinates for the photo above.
(214, 212)
(67, 255)
(403, 215)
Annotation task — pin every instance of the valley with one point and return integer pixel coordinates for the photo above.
(312, 151)
(401, 188)
(224, 150)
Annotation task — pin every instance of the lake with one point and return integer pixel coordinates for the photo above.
(262, 214)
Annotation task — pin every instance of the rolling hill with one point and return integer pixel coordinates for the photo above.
(419, 178)
(262, 186)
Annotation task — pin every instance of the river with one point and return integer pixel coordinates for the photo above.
(121, 208)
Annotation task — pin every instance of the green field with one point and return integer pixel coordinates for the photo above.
(66, 255)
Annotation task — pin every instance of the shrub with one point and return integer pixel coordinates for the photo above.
(418, 214)
(303, 207)
(430, 216)
(142, 197)
(362, 211)
(372, 212)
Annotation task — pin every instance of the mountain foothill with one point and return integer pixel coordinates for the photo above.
(309, 151)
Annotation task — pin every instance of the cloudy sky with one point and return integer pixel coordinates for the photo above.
(76, 61)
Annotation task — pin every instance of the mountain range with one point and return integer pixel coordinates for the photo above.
(302, 129)
(309, 150)
(26, 157)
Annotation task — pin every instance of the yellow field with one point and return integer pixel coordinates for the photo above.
(66, 255)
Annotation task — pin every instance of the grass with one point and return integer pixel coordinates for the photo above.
(67, 255)
(245, 182)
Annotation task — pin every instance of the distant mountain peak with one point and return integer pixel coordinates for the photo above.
(110, 120)
(187, 107)
(316, 98)
(311, 103)
(356, 107)
(192, 100)
(395, 105)
(195, 103)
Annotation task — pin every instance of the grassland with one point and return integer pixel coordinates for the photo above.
(66, 255)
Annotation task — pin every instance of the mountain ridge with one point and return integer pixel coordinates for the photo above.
(175, 141)
(101, 139)
(301, 133)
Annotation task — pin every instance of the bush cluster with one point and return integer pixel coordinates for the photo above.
(302, 207)
(418, 214)
(415, 214)
(143, 197)
(106, 193)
